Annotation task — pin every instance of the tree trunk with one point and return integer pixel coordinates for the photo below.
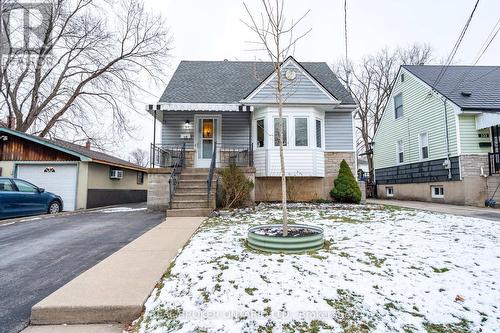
(279, 91)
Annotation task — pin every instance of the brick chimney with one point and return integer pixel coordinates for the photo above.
(87, 144)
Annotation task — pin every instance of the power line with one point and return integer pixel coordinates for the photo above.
(488, 41)
(491, 36)
(450, 58)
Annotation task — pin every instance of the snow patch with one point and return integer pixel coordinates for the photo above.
(382, 270)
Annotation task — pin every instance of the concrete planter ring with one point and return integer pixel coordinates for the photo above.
(301, 238)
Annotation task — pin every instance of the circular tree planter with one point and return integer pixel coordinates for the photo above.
(300, 238)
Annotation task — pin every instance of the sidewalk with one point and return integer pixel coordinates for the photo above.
(114, 291)
(470, 211)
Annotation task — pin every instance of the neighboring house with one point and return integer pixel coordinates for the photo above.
(84, 178)
(230, 106)
(440, 142)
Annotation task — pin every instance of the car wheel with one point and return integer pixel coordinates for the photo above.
(54, 207)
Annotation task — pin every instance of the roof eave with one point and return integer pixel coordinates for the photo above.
(47, 144)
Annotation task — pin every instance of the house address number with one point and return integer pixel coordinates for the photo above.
(483, 135)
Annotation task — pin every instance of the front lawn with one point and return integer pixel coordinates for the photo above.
(382, 270)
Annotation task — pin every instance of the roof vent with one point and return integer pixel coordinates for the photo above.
(465, 93)
(225, 59)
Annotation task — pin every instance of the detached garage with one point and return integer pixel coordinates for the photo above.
(84, 178)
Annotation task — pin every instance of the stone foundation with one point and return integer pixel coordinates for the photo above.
(471, 165)
(305, 188)
(158, 190)
(189, 158)
(332, 166)
(470, 191)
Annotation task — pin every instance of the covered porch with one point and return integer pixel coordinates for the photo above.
(491, 121)
(200, 134)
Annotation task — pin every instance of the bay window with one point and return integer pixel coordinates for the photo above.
(301, 132)
(260, 133)
(318, 133)
(277, 131)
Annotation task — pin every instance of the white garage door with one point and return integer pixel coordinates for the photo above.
(59, 179)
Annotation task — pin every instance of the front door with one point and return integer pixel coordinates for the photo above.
(207, 132)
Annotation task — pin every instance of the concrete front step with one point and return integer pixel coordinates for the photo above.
(192, 190)
(188, 196)
(193, 176)
(194, 184)
(195, 170)
(176, 204)
(188, 212)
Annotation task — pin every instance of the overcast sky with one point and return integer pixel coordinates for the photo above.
(212, 30)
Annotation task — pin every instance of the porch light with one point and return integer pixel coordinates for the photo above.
(187, 122)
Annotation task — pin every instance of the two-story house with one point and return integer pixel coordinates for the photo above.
(438, 139)
(225, 112)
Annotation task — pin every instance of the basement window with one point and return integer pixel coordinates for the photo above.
(437, 191)
(389, 191)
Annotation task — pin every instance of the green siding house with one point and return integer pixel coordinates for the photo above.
(439, 137)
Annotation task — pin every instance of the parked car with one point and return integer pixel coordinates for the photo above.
(21, 198)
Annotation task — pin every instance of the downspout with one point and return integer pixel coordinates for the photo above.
(154, 138)
(448, 162)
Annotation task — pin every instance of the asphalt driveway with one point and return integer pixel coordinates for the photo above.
(39, 256)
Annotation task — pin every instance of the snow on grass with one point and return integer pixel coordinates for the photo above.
(382, 270)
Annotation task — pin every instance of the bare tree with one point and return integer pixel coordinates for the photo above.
(85, 71)
(370, 84)
(275, 36)
(140, 157)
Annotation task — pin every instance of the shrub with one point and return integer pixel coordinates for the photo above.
(235, 187)
(346, 188)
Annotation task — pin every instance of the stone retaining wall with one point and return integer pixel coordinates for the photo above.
(158, 191)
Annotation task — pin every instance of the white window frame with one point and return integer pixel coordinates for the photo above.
(322, 140)
(440, 188)
(400, 151)
(402, 106)
(421, 146)
(286, 137)
(256, 133)
(391, 188)
(308, 132)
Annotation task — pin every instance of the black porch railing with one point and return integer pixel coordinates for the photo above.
(211, 173)
(165, 156)
(234, 154)
(176, 172)
(494, 163)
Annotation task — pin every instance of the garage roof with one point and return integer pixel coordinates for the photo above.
(81, 152)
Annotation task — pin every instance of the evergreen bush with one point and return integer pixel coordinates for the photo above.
(346, 187)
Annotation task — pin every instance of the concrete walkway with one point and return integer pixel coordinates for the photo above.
(114, 291)
(470, 211)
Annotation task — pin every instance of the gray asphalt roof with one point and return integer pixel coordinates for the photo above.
(482, 82)
(231, 81)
